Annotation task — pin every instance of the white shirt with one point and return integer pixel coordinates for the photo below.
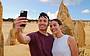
(61, 47)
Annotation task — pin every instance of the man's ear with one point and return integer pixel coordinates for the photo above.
(48, 23)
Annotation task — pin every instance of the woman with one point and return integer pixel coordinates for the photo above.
(64, 45)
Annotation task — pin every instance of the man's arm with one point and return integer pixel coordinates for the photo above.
(22, 38)
(73, 46)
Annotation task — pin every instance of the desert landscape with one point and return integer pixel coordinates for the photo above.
(23, 50)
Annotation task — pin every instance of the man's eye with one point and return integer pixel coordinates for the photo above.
(44, 20)
(40, 20)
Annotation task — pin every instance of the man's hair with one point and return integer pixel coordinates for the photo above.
(42, 14)
(58, 21)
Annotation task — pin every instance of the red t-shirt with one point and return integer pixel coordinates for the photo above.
(40, 45)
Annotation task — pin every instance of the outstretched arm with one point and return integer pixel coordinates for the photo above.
(20, 36)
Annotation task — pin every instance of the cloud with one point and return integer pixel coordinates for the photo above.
(44, 1)
(54, 2)
(51, 2)
(52, 15)
(0, 0)
(86, 11)
(57, 2)
(72, 2)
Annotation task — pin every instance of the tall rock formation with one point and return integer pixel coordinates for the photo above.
(1, 33)
(64, 16)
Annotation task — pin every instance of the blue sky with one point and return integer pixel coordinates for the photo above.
(78, 9)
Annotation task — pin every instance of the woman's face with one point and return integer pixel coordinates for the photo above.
(54, 27)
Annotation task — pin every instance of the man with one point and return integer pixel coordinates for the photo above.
(40, 42)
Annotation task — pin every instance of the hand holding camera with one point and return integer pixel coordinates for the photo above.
(23, 14)
(21, 21)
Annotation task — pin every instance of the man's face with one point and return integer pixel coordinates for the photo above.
(43, 23)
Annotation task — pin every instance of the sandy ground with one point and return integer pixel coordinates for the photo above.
(17, 50)
(23, 50)
(87, 39)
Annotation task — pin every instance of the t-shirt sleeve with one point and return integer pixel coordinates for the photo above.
(31, 36)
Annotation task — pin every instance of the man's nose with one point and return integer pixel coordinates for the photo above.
(42, 22)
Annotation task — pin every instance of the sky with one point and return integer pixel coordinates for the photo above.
(78, 9)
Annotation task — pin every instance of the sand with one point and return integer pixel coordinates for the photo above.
(23, 50)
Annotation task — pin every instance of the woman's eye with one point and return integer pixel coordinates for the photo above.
(50, 25)
(54, 24)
